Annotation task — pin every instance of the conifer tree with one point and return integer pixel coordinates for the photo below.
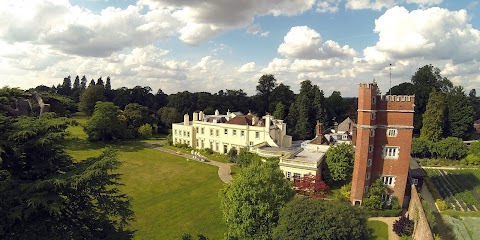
(433, 118)
(460, 114)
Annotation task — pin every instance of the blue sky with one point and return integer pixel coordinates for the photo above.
(209, 45)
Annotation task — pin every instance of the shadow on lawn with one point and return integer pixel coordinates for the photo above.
(76, 144)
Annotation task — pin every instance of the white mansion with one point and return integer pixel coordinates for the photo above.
(232, 130)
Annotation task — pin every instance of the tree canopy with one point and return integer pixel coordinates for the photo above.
(46, 195)
(307, 218)
(106, 124)
(90, 97)
(251, 202)
(339, 162)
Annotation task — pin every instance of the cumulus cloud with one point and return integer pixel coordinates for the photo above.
(433, 33)
(204, 19)
(78, 31)
(303, 42)
(247, 68)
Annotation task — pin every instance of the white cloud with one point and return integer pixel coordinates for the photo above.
(78, 31)
(247, 68)
(433, 33)
(303, 42)
(327, 6)
(204, 19)
(255, 29)
(369, 4)
(425, 3)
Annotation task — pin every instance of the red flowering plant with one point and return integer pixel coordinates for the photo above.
(311, 185)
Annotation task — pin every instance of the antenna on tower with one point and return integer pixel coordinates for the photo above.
(390, 91)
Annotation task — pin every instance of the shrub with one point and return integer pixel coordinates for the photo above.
(169, 139)
(429, 214)
(145, 130)
(395, 203)
(208, 151)
(420, 147)
(472, 159)
(442, 205)
(384, 213)
(450, 148)
(232, 155)
(345, 190)
(403, 226)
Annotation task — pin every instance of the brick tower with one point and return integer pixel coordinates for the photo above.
(383, 142)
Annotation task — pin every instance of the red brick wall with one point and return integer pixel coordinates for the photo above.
(415, 211)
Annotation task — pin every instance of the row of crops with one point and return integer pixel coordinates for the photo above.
(459, 189)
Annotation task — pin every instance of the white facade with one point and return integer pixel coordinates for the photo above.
(224, 132)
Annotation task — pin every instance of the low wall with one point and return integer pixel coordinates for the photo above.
(422, 230)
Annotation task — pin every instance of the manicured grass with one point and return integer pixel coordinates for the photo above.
(170, 195)
(379, 230)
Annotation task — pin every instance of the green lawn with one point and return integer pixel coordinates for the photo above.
(170, 195)
(379, 230)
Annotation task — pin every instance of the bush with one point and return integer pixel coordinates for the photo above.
(345, 191)
(208, 151)
(384, 213)
(472, 159)
(403, 226)
(429, 214)
(420, 147)
(170, 139)
(449, 148)
(442, 205)
(232, 155)
(145, 130)
(395, 203)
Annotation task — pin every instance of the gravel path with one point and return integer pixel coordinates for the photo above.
(224, 171)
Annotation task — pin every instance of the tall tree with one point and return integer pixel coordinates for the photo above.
(307, 218)
(424, 81)
(100, 82)
(108, 85)
(339, 162)
(83, 83)
(66, 87)
(105, 123)
(168, 115)
(266, 84)
(335, 107)
(76, 89)
(433, 118)
(460, 114)
(279, 111)
(281, 93)
(89, 98)
(251, 202)
(92, 83)
(318, 105)
(45, 194)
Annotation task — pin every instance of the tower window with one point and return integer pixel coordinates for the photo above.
(369, 162)
(372, 132)
(388, 181)
(370, 148)
(373, 115)
(392, 132)
(391, 152)
(374, 100)
(367, 177)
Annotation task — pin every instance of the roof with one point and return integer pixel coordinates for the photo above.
(415, 169)
(346, 125)
(215, 119)
(241, 120)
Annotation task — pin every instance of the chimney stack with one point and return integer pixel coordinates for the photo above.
(195, 116)
(186, 119)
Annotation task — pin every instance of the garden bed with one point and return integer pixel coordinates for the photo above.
(459, 189)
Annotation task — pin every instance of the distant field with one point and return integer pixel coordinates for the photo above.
(171, 196)
(379, 230)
